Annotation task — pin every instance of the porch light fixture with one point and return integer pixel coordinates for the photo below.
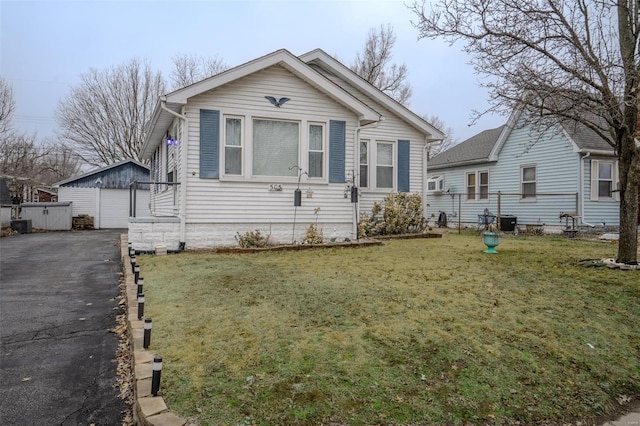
(171, 141)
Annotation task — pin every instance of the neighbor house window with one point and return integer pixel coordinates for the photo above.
(471, 186)
(316, 150)
(528, 181)
(478, 185)
(275, 148)
(605, 179)
(435, 183)
(364, 164)
(233, 146)
(384, 165)
(483, 180)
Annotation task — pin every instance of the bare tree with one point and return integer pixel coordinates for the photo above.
(448, 141)
(189, 69)
(7, 105)
(104, 117)
(565, 61)
(374, 65)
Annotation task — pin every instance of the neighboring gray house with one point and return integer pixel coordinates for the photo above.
(104, 193)
(536, 176)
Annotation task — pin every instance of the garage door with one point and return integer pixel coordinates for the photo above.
(114, 208)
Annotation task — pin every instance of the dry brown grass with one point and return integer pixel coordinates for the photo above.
(416, 331)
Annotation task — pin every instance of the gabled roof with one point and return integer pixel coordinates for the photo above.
(161, 118)
(485, 147)
(98, 171)
(476, 149)
(331, 64)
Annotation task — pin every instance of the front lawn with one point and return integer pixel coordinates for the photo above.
(428, 331)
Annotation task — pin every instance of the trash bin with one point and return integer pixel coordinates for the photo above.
(508, 223)
(23, 226)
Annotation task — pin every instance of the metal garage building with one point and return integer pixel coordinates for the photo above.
(104, 193)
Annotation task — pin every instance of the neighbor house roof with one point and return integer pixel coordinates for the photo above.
(476, 149)
(99, 171)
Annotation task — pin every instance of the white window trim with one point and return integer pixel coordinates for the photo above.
(368, 164)
(438, 181)
(595, 181)
(325, 152)
(373, 172)
(223, 145)
(476, 198)
(524, 199)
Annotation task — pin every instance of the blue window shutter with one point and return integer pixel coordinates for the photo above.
(209, 144)
(337, 138)
(403, 165)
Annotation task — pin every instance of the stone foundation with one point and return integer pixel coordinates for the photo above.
(147, 234)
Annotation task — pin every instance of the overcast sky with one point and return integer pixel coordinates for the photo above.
(45, 46)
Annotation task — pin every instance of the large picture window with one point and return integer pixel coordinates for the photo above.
(316, 150)
(384, 165)
(275, 148)
(233, 146)
(528, 185)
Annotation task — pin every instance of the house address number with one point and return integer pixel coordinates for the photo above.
(275, 187)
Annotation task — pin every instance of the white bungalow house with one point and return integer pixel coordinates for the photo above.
(239, 144)
(548, 179)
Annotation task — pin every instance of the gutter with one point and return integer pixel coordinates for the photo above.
(581, 212)
(183, 172)
(426, 154)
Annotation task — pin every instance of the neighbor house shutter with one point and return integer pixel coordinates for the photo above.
(337, 137)
(403, 165)
(594, 180)
(209, 144)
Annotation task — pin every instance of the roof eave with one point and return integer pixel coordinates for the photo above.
(399, 109)
(460, 164)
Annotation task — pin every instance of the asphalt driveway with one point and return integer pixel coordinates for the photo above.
(57, 304)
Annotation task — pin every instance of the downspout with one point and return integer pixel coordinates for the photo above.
(356, 168)
(425, 177)
(183, 175)
(581, 212)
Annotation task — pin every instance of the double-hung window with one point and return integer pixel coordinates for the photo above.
(528, 182)
(233, 146)
(603, 177)
(364, 164)
(275, 148)
(384, 165)
(471, 186)
(316, 150)
(478, 185)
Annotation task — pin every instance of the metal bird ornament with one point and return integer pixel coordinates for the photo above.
(277, 102)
